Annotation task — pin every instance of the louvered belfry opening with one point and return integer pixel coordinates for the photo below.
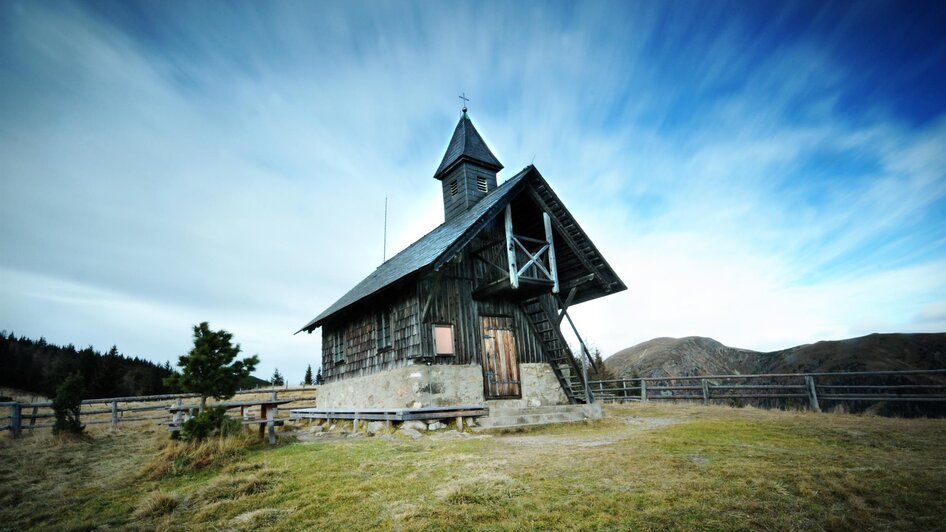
(467, 171)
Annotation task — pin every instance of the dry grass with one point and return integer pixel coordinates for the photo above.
(156, 504)
(229, 487)
(646, 467)
(177, 457)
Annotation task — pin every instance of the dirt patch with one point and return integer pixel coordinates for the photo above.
(632, 424)
(648, 423)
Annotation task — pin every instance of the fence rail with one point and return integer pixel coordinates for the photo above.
(24, 415)
(924, 386)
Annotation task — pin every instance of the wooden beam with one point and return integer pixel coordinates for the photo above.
(578, 281)
(533, 258)
(565, 305)
(553, 267)
(511, 250)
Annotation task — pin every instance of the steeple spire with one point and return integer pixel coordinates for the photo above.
(467, 144)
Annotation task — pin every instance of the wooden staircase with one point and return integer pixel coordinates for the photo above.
(545, 324)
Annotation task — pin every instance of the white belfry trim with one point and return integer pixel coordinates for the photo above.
(511, 250)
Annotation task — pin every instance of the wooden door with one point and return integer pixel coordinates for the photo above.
(500, 362)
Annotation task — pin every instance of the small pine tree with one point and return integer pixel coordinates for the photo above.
(67, 404)
(318, 377)
(603, 372)
(277, 379)
(210, 369)
(307, 380)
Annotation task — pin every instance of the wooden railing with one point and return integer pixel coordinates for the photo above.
(813, 389)
(18, 416)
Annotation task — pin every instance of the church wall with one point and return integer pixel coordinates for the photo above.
(361, 353)
(454, 304)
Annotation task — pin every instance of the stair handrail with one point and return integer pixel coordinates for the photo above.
(589, 396)
(584, 350)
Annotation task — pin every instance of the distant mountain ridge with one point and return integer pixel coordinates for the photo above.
(696, 355)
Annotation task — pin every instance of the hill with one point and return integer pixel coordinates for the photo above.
(694, 355)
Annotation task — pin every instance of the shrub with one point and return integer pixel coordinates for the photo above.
(67, 404)
(212, 421)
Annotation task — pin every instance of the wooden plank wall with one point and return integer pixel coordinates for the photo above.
(454, 304)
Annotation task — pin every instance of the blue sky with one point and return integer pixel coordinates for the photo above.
(765, 173)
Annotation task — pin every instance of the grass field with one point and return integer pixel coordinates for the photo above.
(649, 467)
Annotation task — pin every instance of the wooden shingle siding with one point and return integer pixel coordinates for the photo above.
(362, 356)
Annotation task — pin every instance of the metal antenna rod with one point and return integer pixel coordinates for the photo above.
(384, 250)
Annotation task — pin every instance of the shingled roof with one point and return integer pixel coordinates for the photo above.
(430, 249)
(466, 144)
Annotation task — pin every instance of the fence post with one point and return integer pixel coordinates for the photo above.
(623, 391)
(114, 414)
(275, 395)
(16, 419)
(706, 395)
(643, 391)
(33, 418)
(812, 393)
(176, 418)
(271, 425)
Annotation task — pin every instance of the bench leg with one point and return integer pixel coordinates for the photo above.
(270, 424)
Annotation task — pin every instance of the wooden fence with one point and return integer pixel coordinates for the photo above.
(113, 410)
(813, 389)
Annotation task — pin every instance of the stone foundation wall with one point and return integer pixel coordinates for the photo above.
(406, 387)
(539, 386)
(436, 385)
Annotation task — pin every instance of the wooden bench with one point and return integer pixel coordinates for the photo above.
(266, 420)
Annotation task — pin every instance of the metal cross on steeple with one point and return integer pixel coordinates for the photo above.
(465, 99)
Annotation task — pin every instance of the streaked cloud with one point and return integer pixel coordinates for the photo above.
(764, 176)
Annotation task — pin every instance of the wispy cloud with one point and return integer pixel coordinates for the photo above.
(747, 172)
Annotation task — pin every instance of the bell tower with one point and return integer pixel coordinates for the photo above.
(467, 171)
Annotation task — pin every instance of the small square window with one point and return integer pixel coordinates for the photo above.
(481, 183)
(454, 187)
(443, 340)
